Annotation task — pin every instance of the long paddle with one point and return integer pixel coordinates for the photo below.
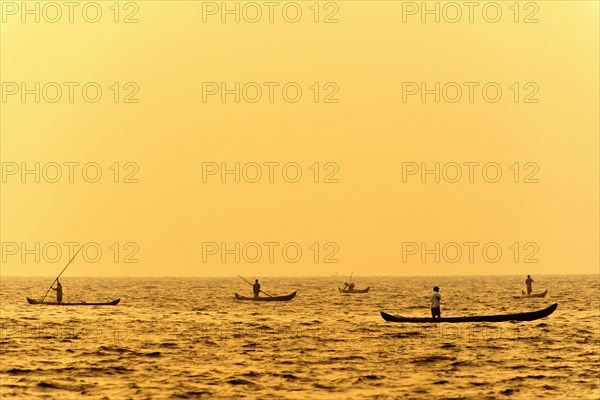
(61, 272)
(253, 286)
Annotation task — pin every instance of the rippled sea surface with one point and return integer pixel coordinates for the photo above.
(189, 338)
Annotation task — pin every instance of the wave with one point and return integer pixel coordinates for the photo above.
(432, 359)
(48, 385)
(19, 371)
(238, 381)
(290, 377)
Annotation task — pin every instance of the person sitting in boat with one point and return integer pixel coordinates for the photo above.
(58, 291)
(351, 286)
(528, 282)
(435, 303)
(256, 288)
(345, 285)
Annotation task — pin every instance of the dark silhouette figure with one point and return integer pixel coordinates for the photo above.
(436, 298)
(528, 282)
(256, 288)
(351, 286)
(345, 285)
(59, 293)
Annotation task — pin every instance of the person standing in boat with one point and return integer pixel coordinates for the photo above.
(528, 282)
(436, 298)
(256, 288)
(58, 291)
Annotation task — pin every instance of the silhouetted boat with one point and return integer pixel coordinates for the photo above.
(543, 294)
(266, 298)
(47, 303)
(354, 290)
(527, 316)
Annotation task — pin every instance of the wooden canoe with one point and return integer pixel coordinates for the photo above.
(543, 294)
(354, 290)
(527, 316)
(287, 297)
(47, 303)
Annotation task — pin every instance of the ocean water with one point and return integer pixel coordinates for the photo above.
(189, 338)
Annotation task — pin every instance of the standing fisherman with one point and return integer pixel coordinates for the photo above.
(58, 291)
(256, 288)
(435, 303)
(528, 282)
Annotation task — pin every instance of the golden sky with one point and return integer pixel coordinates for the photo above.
(331, 180)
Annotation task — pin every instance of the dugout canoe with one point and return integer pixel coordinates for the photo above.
(83, 303)
(543, 294)
(287, 297)
(527, 316)
(354, 290)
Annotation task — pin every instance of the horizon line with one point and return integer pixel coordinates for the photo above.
(293, 276)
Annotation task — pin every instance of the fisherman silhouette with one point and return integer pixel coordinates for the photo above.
(528, 282)
(435, 303)
(59, 292)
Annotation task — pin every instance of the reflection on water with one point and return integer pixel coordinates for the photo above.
(184, 338)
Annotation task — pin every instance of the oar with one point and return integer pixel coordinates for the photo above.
(351, 276)
(253, 286)
(61, 272)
